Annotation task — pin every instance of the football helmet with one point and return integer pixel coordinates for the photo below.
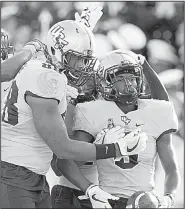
(142, 199)
(6, 48)
(116, 67)
(70, 47)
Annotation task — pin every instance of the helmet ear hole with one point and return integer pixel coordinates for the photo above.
(52, 50)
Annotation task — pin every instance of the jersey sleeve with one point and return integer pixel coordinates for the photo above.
(168, 121)
(82, 122)
(44, 83)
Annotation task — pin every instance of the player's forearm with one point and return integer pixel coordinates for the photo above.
(11, 66)
(172, 181)
(52, 129)
(72, 172)
(157, 88)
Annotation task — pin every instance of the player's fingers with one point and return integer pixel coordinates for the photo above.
(107, 205)
(112, 197)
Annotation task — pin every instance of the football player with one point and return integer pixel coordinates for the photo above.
(32, 126)
(122, 86)
(68, 198)
(10, 65)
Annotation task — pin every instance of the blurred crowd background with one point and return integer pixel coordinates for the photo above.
(154, 29)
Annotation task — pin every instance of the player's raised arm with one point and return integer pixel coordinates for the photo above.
(11, 66)
(158, 90)
(168, 159)
(167, 156)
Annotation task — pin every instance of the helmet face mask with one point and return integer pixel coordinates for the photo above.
(6, 48)
(121, 81)
(70, 48)
(79, 68)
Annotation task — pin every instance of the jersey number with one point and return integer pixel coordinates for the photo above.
(127, 162)
(10, 111)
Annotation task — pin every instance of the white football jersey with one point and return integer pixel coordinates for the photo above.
(129, 174)
(20, 142)
(5, 86)
(89, 169)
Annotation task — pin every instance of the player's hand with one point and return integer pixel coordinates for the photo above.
(165, 202)
(108, 136)
(140, 59)
(90, 15)
(72, 92)
(98, 197)
(34, 46)
(133, 143)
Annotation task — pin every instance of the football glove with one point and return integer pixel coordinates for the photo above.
(165, 202)
(90, 15)
(108, 136)
(34, 46)
(142, 199)
(98, 197)
(133, 143)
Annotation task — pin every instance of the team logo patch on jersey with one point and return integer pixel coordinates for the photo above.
(48, 83)
(125, 120)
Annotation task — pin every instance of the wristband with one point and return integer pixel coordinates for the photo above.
(104, 151)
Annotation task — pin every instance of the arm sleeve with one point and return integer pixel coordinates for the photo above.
(81, 121)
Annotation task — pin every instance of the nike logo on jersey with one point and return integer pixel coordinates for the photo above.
(106, 150)
(6, 89)
(94, 198)
(139, 124)
(133, 148)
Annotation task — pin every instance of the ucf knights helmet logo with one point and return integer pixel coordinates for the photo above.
(59, 36)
